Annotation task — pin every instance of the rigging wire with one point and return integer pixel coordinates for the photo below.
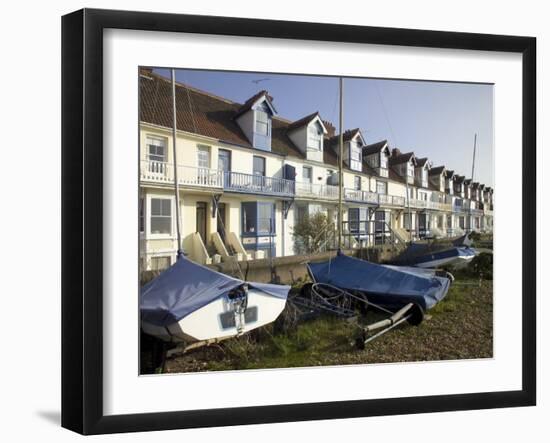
(385, 112)
(190, 102)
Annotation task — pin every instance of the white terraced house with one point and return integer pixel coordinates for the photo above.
(246, 175)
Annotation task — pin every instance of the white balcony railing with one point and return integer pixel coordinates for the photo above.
(160, 172)
(315, 190)
(361, 196)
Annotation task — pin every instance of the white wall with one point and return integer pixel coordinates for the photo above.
(30, 382)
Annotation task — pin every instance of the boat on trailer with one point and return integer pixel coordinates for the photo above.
(435, 255)
(386, 286)
(193, 304)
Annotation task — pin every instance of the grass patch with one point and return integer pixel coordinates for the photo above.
(459, 327)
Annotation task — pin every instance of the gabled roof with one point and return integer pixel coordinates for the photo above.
(306, 121)
(449, 174)
(437, 170)
(475, 185)
(421, 162)
(468, 182)
(202, 113)
(375, 148)
(251, 102)
(459, 178)
(348, 135)
(402, 158)
(206, 114)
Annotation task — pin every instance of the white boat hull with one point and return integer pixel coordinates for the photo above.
(207, 323)
(449, 261)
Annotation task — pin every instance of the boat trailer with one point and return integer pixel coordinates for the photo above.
(324, 298)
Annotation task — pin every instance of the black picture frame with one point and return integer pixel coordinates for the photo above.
(82, 215)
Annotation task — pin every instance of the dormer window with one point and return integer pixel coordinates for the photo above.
(307, 134)
(410, 169)
(315, 138)
(262, 123)
(255, 120)
(424, 177)
(383, 160)
(355, 155)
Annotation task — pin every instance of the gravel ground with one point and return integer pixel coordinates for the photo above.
(460, 327)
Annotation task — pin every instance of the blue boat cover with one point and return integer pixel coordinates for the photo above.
(384, 285)
(418, 253)
(187, 286)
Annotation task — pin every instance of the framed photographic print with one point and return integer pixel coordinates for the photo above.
(270, 221)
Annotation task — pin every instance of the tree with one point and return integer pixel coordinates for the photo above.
(312, 233)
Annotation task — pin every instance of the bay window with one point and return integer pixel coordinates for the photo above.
(258, 218)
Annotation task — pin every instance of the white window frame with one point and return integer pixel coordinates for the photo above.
(385, 184)
(162, 143)
(357, 182)
(383, 160)
(310, 169)
(410, 169)
(204, 149)
(149, 205)
(314, 138)
(261, 120)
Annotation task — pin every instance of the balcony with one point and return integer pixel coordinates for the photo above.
(257, 184)
(160, 172)
(190, 176)
(390, 200)
(373, 198)
(361, 196)
(314, 190)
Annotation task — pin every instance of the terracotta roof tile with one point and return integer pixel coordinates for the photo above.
(203, 113)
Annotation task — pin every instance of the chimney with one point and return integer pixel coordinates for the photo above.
(395, 152)
(331, 130)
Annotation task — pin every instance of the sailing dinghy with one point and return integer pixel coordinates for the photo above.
(386, 286)
(431, 256)
(192, 303)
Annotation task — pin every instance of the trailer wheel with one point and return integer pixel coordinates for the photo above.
(416, 315)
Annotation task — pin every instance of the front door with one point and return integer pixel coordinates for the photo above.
(201, 220)
(224, 164)
(222, 224)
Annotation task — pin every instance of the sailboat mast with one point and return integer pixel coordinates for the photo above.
(340, 164)
(408, 202)
(176, 189)
(474, 159)
(473, 169)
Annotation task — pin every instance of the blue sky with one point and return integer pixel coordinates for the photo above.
(437, 120)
